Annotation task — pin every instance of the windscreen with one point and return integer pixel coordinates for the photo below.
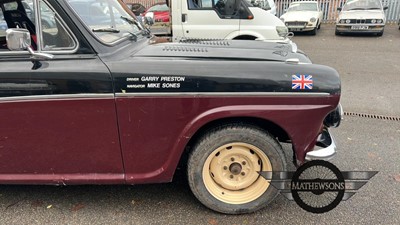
(107, 19)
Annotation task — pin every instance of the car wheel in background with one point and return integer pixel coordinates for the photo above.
(314, 31)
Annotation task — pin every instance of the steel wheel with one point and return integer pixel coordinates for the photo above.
(230, 173)
(223, 168)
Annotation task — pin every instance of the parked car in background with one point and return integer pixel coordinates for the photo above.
(361, 16)
(3, 24)
(398, 23)
(267, 5)
(158, 12)
(303, 16)
(3, 28)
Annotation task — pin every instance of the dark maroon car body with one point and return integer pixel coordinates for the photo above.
(125, 113)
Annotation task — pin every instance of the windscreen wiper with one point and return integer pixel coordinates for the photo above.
(107, 29)
(138, 25)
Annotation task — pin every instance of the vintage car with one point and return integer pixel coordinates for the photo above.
(109, 103)
(361, 16)
(303, 16)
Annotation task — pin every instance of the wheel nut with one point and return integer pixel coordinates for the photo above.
(244, 163)
(232, 159)
(231, 176)
(243, 173)
(225, 167)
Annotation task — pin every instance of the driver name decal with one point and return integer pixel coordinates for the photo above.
(155, 82)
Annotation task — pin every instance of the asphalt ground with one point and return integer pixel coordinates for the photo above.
(369, 67)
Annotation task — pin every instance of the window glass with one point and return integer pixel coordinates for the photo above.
(206, 3)
(259, 3)
(201, 4)
(10, 6)
(223, 7)
(362, 5)
(15, 17)
(54, 34)
(107, 19)
(158, 8)
(303, 7)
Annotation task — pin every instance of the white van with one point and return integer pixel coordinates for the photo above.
(224, 19)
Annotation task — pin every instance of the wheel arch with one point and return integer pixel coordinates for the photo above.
(264, 124)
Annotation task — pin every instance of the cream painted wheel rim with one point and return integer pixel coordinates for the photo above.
(230, 173)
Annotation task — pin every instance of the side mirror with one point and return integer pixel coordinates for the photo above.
(18, 39)
(385, 7)
(339, 8)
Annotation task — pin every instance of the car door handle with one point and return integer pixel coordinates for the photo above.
(184, 18)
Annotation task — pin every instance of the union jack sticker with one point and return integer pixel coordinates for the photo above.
(302, 82)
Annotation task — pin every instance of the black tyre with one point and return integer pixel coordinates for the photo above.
(319, 26)
(337, 32)
(314, 31)
(223, 168)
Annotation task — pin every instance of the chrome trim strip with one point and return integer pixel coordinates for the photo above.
(56, 97)
(110, 96)
(225, 94)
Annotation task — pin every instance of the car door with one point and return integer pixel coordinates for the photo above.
(58, 118)
(208, 18)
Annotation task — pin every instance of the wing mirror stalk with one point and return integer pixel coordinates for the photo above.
(20, 39)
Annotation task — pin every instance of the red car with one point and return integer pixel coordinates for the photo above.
(159, 12)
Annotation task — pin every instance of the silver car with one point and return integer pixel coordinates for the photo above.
(361, 16)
